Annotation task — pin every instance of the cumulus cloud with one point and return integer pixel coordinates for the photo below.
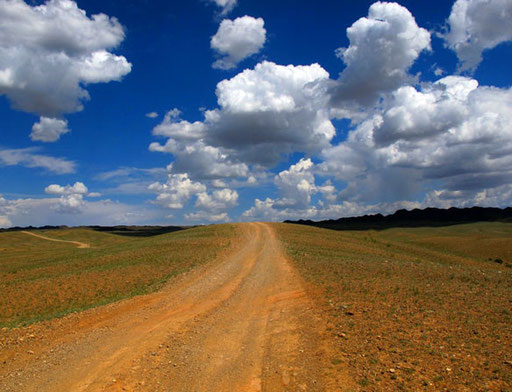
(70, 204)
(200, 160)
(71, 199)
(219, 200)
(237, 40)
(173, 127)
(77, 188)
(265, 113)
(49, 129)
(28, 157)
(452, 135)
(476, 26)
(383, 46)
(296, 185)
(176, 191)
(226, 5)
(270, 111)
(48, 53)
(208, 207)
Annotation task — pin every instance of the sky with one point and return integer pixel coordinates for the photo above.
(211, 111)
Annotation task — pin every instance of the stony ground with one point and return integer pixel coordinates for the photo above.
(242, 323)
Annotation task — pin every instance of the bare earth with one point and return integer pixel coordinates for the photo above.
(243, 323)
(78, 244)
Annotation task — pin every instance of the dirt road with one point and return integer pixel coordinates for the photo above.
(77, 243)
(244, 323)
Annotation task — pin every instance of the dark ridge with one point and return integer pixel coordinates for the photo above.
(138, 231)
(429, 217)
(130, 231)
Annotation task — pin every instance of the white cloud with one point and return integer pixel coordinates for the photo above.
(173, 127)
(267, 210)
(200, 160)
(383, 46)
(270, 111)
(219, 200)
(296, 185)
(49, 52)
(203, 216)
(71, 199)
(4, 220)
(176, 191)
(70, 204)
(451, 135)
(476, 26)
(237, 40)
(265, 113)
(49, 129)
(152, 115)
(208, 207)
(226, 5)
(58, 211)
(77, 188)
(28, 157)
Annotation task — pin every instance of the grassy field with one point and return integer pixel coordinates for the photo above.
(414, 309)
(40, 279)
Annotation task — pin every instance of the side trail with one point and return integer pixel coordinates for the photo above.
(77, 243)
(244, 323)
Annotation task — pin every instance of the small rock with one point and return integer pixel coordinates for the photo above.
(392, 370)
(30, 352)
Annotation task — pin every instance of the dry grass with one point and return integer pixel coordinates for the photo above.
(414, 309)
(41, 279)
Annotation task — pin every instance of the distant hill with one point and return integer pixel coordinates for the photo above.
(415, 218)
(131, 231)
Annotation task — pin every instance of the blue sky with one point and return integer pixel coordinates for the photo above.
(206, 111)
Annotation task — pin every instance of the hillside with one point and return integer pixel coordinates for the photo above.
(415, 218)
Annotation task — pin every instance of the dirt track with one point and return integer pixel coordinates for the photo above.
(244, 323)
(77, 243)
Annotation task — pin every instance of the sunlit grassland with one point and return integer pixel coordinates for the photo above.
(41, 279)
(415, 308)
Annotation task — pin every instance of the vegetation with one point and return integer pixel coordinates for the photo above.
(415, 308)
(41, 279)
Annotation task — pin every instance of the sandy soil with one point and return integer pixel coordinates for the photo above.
(243, 323)
(77, 243)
